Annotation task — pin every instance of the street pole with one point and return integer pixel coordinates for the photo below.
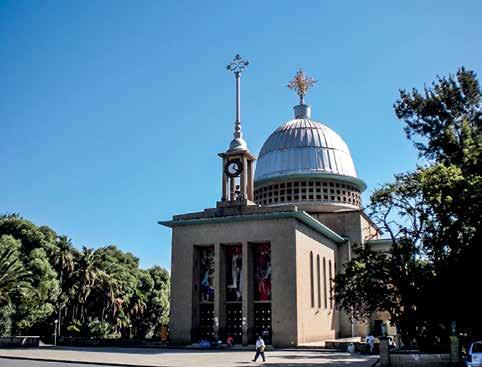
(56, 322)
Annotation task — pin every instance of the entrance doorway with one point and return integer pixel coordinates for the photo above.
(234, 322)
(262, 321)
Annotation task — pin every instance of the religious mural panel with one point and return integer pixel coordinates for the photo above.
(207, 273)
(262, 282)
(234, 263)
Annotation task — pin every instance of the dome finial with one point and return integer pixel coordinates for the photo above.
(237, 66)
(301, 83)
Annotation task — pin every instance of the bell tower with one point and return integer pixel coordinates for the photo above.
(237, 161)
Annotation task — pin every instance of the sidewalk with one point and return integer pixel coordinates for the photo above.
(150, 357)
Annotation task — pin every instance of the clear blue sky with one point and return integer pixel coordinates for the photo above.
(112, 112)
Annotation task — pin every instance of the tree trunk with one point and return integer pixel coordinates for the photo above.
(59, 306)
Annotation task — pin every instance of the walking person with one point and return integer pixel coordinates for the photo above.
(371, 342)
(259, 349)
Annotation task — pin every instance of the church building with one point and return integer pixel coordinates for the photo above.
(262, 261)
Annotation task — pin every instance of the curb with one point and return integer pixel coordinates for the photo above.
(79, 362)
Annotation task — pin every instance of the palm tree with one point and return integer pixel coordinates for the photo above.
(86, 274)
(64, 255)
(111, 287)
(64, 261)
(13, 276)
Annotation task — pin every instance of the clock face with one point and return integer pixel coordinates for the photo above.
(233, 168)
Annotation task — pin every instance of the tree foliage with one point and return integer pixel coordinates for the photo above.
(432, 216)
(101, 292)
(14, 279)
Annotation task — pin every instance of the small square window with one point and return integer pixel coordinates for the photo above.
(325, 197)
(318, 197)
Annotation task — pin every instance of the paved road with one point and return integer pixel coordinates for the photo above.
(20, 363)
(181, 357)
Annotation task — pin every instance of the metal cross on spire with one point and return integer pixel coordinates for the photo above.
(301, 83)
(237, 66)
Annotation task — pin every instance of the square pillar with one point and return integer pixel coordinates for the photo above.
(247, 292)
(243, 178)
(224, 182)
(219, 289)
(250, 183)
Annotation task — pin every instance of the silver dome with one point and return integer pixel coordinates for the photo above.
(305, 147)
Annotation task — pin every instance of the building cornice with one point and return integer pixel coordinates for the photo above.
(301, 216)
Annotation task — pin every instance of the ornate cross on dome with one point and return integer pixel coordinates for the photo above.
(301, 83)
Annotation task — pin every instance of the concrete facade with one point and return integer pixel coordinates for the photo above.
(289, 240)
(305, 256)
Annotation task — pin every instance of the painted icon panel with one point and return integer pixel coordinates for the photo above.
(207, 273)
(234, 268)
(262, 284)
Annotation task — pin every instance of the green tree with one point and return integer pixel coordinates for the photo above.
(431, 214)
(445, 123)
(31, 310)
(14, 278)
(393, 281)
(86, 273)
(100, 293)
(158, 300)
(63, 260)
